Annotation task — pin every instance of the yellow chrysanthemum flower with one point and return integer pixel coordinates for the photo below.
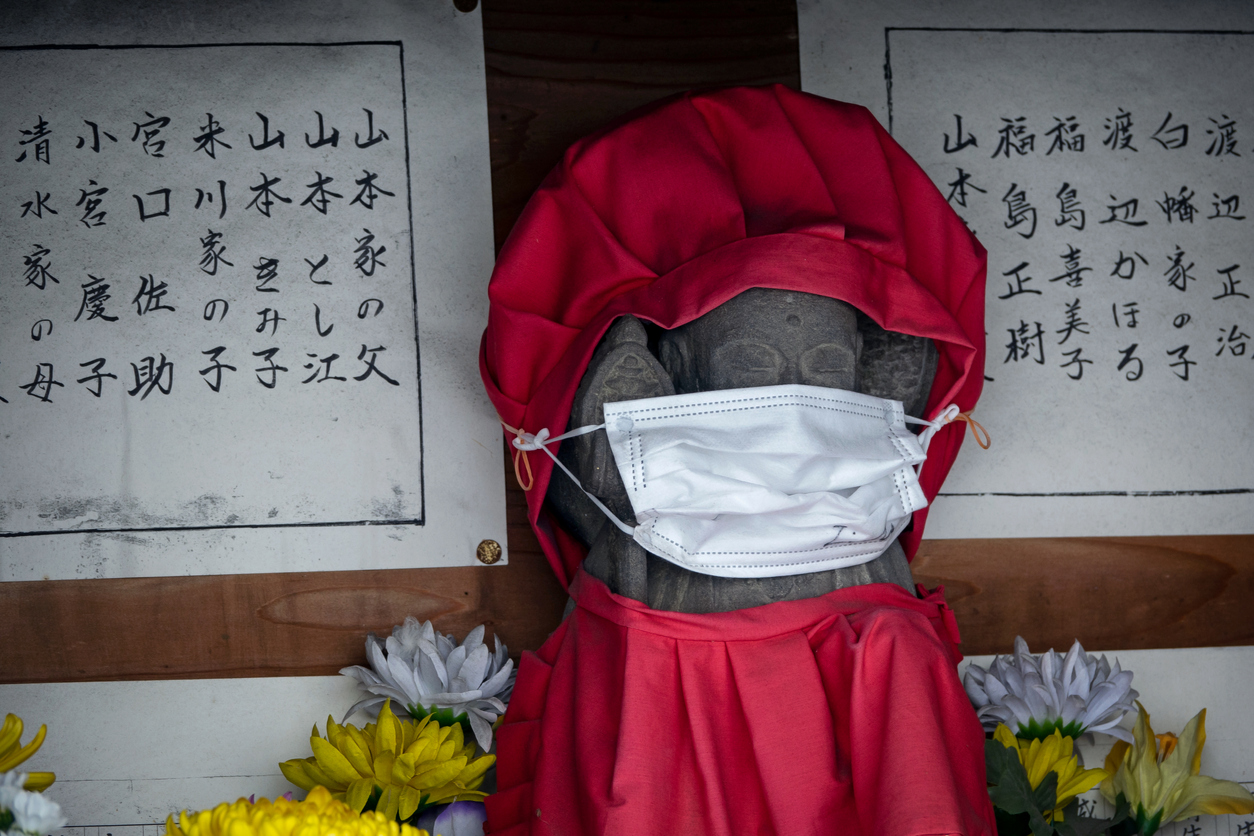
(1054, 753)
(1158, 775)
(12, 752)
(401, 766)
(317, 815)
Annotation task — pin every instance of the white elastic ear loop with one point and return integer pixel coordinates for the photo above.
(947, 415)
(931, 428)
(540, 441)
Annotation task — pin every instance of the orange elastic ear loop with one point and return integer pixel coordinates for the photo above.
(521, 454)
(976, 429)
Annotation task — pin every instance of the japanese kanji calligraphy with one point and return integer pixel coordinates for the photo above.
(197, 257)
(1110, 183)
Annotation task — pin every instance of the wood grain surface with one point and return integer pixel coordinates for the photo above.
(560, 69)
(557, 70)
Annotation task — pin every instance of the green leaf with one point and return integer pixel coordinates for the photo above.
(995, 760)
(1010, 790)
(443, 716)
(1147, 825)
(1044, 796)
(1040, 729)
(1046, 793)
(1122, 824)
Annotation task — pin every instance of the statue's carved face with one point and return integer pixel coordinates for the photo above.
(765, 337)
(762, 337)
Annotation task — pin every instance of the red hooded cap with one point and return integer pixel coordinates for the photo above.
(660, 215)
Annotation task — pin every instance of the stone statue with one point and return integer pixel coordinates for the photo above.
(788, 704)
(762, 337)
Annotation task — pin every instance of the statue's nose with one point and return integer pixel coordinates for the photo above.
(791, 372)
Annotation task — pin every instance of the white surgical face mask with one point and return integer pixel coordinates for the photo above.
(763, 482)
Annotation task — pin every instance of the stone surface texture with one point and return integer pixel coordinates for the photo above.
(762, 337)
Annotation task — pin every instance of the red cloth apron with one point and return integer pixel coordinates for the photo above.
(838, 714)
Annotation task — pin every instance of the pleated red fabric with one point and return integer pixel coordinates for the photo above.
(839, 714)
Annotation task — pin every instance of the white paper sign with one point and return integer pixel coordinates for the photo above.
(1105, 174)
(245, 285)
(160, 747)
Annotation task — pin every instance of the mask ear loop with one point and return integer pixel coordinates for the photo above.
(976, 429)
(948, 415)
(525, 442)
(519, 453)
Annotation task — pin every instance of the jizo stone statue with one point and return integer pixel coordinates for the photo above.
(762, 337)
(663, 702)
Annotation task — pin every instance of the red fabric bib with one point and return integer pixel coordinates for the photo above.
(838, 714)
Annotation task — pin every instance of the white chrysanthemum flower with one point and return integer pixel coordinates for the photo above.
(429, 673)
(34, 814)
(11, 783)
(1034, 695)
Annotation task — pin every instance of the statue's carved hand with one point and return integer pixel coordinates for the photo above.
(621, 369)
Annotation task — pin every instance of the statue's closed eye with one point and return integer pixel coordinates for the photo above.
(753, 363)
(828, 364)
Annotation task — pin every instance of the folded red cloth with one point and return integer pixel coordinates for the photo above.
(686, 205)
(838, 714)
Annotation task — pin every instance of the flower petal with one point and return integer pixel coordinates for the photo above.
(362, 674)
(410, 799)
(474, 639)
(461, 818)
(333, 762)
(431, 670)
(39, 781)
(472, 672)
(1003, 735)
(482, 729)
(15, 757)
(369, 704)
(496, 683)
(389, 802)
(358, 793)
(1212, 797)
(995, 688)
(453, 664)
(294, 771)
(1023, 715)
(975, 690)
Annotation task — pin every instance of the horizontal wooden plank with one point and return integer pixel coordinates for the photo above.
(290, 624)
(294, 624)
(1110, 592)
(253, 625)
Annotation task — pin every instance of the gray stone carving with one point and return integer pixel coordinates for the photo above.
(761, 337)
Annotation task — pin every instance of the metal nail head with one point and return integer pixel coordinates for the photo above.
(488, 552)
